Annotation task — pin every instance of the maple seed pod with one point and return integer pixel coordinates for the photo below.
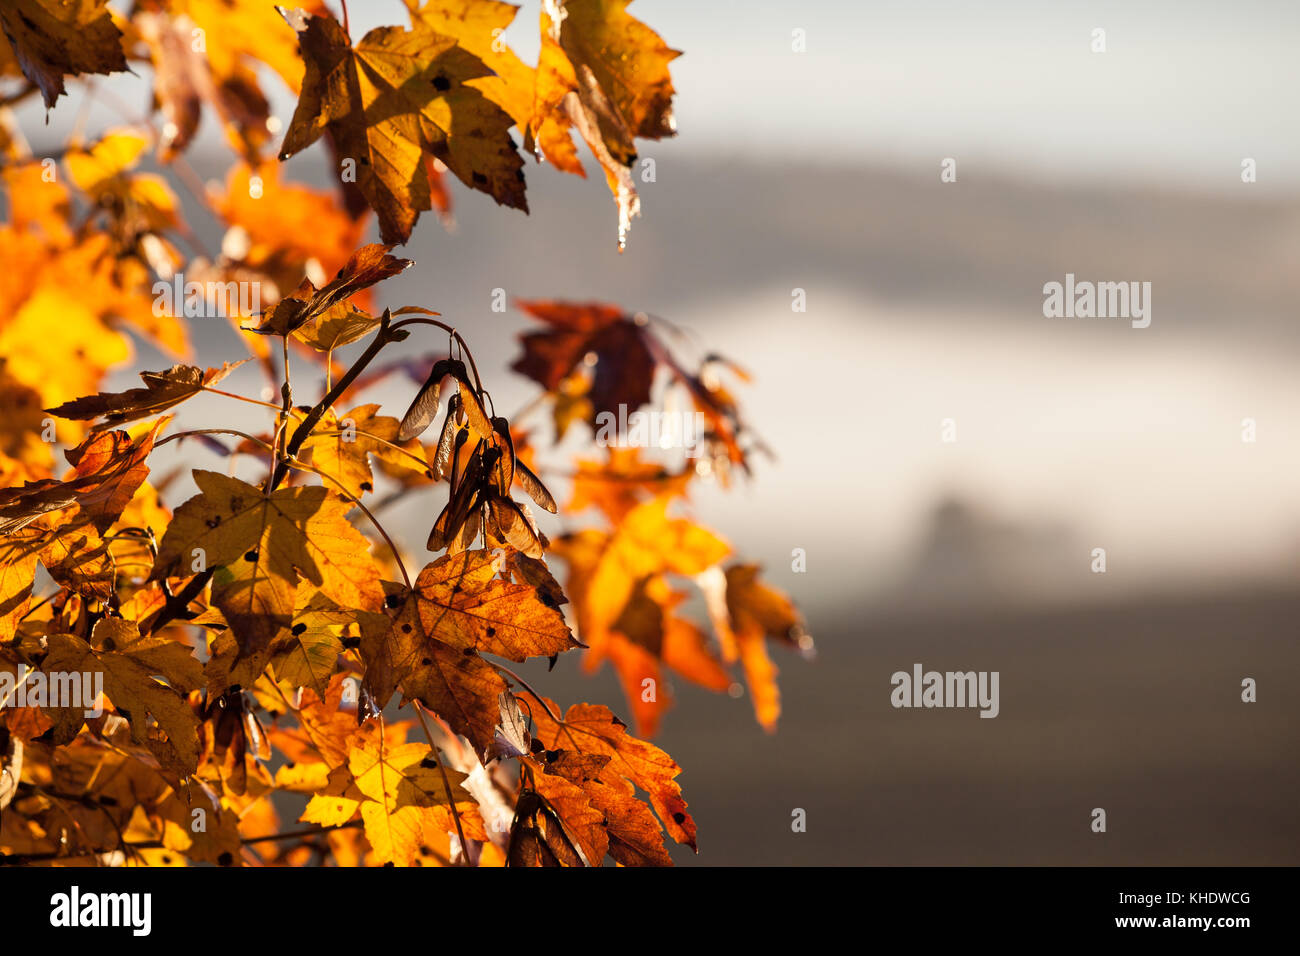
(442, 457)
(470, 406)
(506, 468)
(424, 407)
(534, 487)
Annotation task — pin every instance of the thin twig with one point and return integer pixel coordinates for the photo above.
(300, 435)
(478, 383)
(423, 463)
(212, 431)
(242, 398)
(451, 801)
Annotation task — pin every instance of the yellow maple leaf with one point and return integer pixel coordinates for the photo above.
(260, 545)
(128, 682)
(399, 791)
(397, 96)
(341, 446)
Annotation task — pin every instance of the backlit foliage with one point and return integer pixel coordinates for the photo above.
(266, 644)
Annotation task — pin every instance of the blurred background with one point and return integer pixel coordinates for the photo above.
(820, 171)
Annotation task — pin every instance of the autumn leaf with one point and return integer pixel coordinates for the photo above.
(52, 39)
(605, 72)
(262, 545)
(594, 730)
(336, 327)
(143, 201)
(207, 52)
(22, 424)
(368, 265)
(618, 582)
(308, 656)
(163, 390)
(398, 790)
(755, 612)
(107, 470)
(279, 227)
(618, 485)
(324, 731)
(477, 26)
(624, 363)
(649, 637)
(38, 347)
(341, 447)
(68, 305)
(753, 605)
(398, 96)
(628, 66)
(606, 568)
(534, 571)
(239, 34)
(62, 522)
(460, 599)
(727, 439)
(625, 827)
(35, 204)
(128, 663)
(18, 553)
(451, 680)
(75, 555)
(184, 81)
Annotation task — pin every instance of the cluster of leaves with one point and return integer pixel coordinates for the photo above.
(399, 108)
(264, 640)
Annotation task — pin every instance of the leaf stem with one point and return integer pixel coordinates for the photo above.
(451, 800)
(242, 398)
(424, 465)
(212, 431)
(478, 382)
(383, 338)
